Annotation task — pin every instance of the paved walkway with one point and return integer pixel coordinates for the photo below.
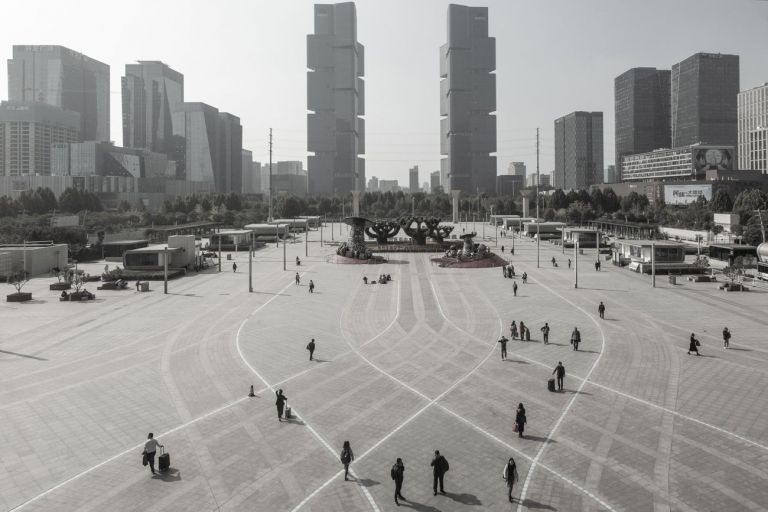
(401, 369)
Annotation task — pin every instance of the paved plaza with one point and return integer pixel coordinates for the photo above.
(400, 370)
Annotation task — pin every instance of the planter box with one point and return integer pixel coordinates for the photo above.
(18, 297)
(60, 286)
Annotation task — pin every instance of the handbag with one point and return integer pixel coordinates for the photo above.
(144, 458)
(514, 429)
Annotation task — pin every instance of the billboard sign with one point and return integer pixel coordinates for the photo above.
(686, 194)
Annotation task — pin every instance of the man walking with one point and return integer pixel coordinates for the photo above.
(726, 338)
(439, 467)
(150, 447)
(311, 348)
(298, 278)
(560, 371)
(575, 338)
(569, 262)
(311, 286)
(503, 342)
(280, 403)
(397, 475)
(545, 332)
(234, 267)
(514, 288)
(601, 309)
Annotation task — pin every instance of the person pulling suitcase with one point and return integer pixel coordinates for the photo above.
(150, 449)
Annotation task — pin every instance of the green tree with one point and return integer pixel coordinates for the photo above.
(721, 202)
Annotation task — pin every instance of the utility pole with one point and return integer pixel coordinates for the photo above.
(284, 249)
(306, 240)
(576, 262)
(250, 265)
(165, 270)
(538, 228)
(270, 218)
(219, 251)
(653, 264)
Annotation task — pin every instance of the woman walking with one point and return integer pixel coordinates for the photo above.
(694, 345)
(280, 403)
(510, 475)
(346, 457)
(520, 420)
(522, 331)
(513, 330)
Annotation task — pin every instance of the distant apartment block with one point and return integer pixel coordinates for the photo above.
(60, 77)
(578, 150)
(509, 184)
(388, 186)
(467, 102)
(92, 158)
(336, 100)
(705, 87)
(151, 91)
(753, 128)
(373, 184)
(517, 168)
(434, 181)
(543, 180)
(27, 131)
(251, 173)
(642, 111)
(610, 175)
(413, 179)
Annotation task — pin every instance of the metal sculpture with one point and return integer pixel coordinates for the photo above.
(418, 228)
(470, 251)
(441, 232)
(382, 230)
(355, 247)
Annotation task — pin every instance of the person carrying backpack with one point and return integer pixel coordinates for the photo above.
(439, 468)
(726, 337)
(397, 475)
(346, 457)
(510, 476)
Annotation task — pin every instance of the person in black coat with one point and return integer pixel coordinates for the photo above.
(510, 476)
(503, 340)
(520, 420)
(694, 345)
(311, 348)
(397, 475)
(280, 403)
(439, 467)
(560, 374)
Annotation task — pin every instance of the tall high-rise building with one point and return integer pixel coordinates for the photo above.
(250, 178)
(467, 100)
(151, 91)
(336, 99)
(63, 78)
(578, 150)
(642, 99)
(610, 176)
(753, 128)
(517, 169)
(27, 131)
(373, 184)
(208, 146)
(434, 182)
(230, 149)
(413, 179)
(703, 102)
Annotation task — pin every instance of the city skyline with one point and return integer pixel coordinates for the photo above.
(524, 101)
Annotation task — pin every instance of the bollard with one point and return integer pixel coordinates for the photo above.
(251, 394)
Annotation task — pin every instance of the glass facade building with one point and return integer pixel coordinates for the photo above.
(688, 162)
(642, 110)
(578, 150)
(467, 103)
(151, 91)
(753, 128)
(703, 102)
(63, 78)
(336, 100)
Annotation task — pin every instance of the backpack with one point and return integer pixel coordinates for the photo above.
(393, 471)
(345, 457)
(445, 464)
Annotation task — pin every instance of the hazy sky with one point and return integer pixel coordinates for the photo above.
(248, 57)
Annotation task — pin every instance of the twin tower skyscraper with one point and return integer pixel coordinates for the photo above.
(336, 100)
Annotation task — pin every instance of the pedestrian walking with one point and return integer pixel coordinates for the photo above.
(559, 372)
(138, 285)
(597, 266)
(503, 340)
(280, 403)
(298, 261)
(694, 345)
(575, 338)
(311, 348)
(525, 277)
(527, 334)
(512, 269)
(512, 251)
(554, 261)
(520, 420)
(398, 468)
(346, 458)
(601, 309)
(504, 271)
(298, 278)
(311, 286)
(569, 262)
(439, 468)
(514, 288)
(234, 267)
(513, 330)
(510, 476)
(726, 337)
(522, 331)
(150, 448)
(502, 249)
(545, 332)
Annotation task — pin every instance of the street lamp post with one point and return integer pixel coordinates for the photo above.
(250, 266)
(576, 262)
(653, 264)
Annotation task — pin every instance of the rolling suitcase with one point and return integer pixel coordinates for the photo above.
(551, 384)
(164, 461)
(287, 411)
